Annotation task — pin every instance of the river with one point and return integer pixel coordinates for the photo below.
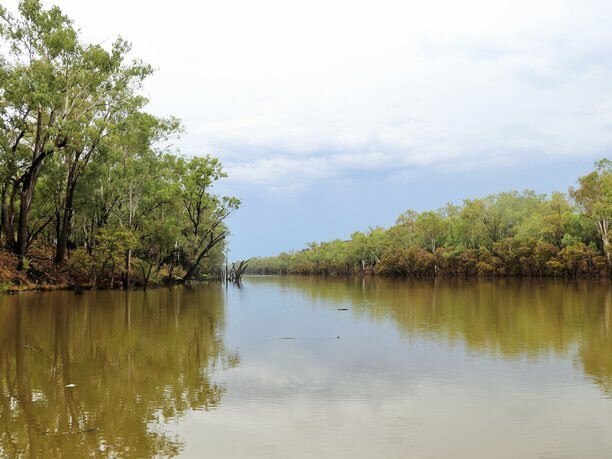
(310, 367)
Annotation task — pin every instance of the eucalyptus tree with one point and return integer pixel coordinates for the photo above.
(205, 211)
(159, 218)
(365, 249)
(87, 135)
(38, 95)
(432, 229)
(594, 196)
(142, 179)
(59, 96)
(512, 233)
(550, 221)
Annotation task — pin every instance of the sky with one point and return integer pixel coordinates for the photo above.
(335, 116)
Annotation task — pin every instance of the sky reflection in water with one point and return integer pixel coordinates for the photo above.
(411, 369)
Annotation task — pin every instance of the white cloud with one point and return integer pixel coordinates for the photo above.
(291, 93)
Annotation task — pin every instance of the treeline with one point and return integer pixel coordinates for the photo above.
(87, 176)
(506, 234)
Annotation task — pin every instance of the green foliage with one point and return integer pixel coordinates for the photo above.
(107, 257)
(594, 196)
(507, 234)
(85, 169)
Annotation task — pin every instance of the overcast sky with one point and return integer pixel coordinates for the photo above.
(332, 116)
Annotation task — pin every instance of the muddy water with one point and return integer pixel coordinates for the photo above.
(310, 367)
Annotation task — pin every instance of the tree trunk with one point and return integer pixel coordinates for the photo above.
(67, 212)
(27, 184)
(146, 274)
(23, 227)
(128, 264)
(193, 268)
(603, 229)
(4, 226)
(65, 225)
(6, 219)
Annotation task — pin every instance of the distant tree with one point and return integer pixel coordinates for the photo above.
(594, 196)
(431, 230)
(505, 234)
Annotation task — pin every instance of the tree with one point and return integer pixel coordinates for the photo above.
(142, 176)
(38, 98)
(59, 96)
(105, 262)
(594, 196)
(82, 164)
(431, 230)
(511, 233)
(112, 105)
(206, 212)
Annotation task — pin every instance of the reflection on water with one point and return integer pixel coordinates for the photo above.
(511, 317)
(510, 368)
(134, 357)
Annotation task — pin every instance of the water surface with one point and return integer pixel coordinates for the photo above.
(311, 367)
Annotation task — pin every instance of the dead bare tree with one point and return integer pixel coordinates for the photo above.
(234, 275)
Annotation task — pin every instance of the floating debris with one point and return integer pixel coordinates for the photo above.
(342, 309)
(70, 386)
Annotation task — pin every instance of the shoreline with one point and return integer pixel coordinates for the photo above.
(16, 289)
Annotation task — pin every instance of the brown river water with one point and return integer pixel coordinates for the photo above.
(310, 367)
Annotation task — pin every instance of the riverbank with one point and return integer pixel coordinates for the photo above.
(510, 257)
(43, 275)
(40, 275)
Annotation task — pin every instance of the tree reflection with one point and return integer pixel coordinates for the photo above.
(596, 351)
(135, 358)
(508, 318)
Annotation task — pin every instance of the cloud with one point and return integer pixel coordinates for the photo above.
(529, 83)
(291, 94)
